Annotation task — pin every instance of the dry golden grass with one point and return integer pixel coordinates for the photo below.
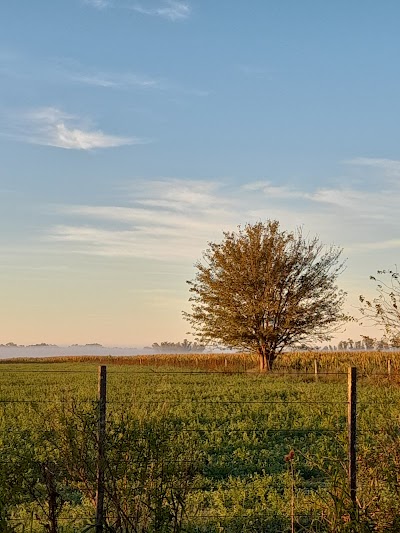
(367, 362)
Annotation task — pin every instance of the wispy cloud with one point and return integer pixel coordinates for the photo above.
(390, 167)
(255, 71)
(69, 70)
(166, 219)
(61, 71)
(170, 9)
(76, 73)
(389, 244)
(113, 79)
(99, 4)
(342, 197)
(50, 126)
(173, 219)
(275, 191)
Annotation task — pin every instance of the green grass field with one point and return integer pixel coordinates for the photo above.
(194, 445)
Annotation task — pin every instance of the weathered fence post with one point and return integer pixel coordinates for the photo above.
(316, 369)
(389, 367)
(352, 430)
(101, 435)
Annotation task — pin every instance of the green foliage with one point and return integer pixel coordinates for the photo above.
(262, 289)
(195, 452)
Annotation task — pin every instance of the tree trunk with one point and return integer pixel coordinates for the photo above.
(270, 360)
(52, 494)
(266, 359)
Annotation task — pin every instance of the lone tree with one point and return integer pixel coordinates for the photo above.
(262, 289)
(384, 310)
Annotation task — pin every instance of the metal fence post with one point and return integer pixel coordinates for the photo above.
(101, 435)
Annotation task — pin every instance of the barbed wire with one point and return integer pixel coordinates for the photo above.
(362, 374)
(178, 402)
(191, 516)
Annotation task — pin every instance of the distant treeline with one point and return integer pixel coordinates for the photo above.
(365, 343)
(178, 347)
(44, 344)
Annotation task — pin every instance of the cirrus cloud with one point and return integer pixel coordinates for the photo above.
(50, 126)
(170, 9)
(172, 219)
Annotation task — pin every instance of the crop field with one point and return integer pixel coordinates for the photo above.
(199, 444)
(367, 362)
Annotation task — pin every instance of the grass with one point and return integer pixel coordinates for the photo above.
(233, 428)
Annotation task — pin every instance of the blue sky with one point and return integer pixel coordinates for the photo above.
(134, 132)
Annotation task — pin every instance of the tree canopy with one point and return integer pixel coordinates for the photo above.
(262, 289)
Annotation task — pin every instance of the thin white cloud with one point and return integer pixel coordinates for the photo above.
(74, 138)
(390, 244)
(181, 195)
(343, 197)
(61, 70)
(255, 71)
(98, 4)
(114, 79)
(97, 80)
(391, 167)
(170, 9)
(50, 126)
(140, 242)
(76, 73)
(336, 197)
(173, 219)
(275, 191)
(166, 219)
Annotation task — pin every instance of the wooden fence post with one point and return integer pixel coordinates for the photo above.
(389, 367)
(316, 369)
(101, 435)
(352, 431)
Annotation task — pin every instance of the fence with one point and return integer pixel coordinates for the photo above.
(105, 436)
(102, 402)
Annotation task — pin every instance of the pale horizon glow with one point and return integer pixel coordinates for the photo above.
(135, 132)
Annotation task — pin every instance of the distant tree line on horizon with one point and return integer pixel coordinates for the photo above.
(178, 347)
(366, 343)
(44, 344)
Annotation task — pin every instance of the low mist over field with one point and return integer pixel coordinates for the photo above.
(12, 350)
(43, 350)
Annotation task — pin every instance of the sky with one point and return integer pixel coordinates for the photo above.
(134, 132)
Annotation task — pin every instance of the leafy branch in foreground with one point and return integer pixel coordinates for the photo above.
(384, 310)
